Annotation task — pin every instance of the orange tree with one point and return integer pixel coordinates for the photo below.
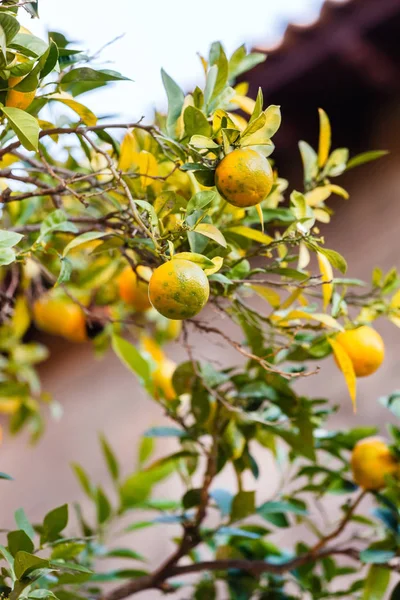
(122, 233)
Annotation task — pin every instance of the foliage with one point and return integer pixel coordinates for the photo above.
(79, 205)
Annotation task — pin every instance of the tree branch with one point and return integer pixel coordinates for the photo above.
(254, 567)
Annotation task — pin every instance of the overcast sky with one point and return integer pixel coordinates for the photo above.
(160, 33)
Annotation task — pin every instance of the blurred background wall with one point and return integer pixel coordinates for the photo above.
(346, 61)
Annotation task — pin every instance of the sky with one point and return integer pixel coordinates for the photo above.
(160, 33)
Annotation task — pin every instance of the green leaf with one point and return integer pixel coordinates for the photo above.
(337, 162)
(5, 476)
(202, 142)
(211, 80)
(83, 480)
(40, 594)
(218, 59)
(376, 584)
(150, 209)
(103, 506)
(201, 200)
(110, 458)
(55, 221)
(258, 106)
(199, 259)
(51, 60)
(9, 238)
(243, 505)
(82, 239)
(29, 45)
(337, 261)
(65, 271)
(392, 402)
(211, 232)
(25, 563)
(146, 449)
(176, 99)
(240, 61)
(195, 122)
(19, 540)
(88, 74)
(165, 432)
(137, 487)
(23, 523)
(24, 126)
(54, 522)
(234, 441)
(223, 500)
(7, 256)
(365, 157)
(376, 556)
(9, 29)
(124, 553)
(132, 359)
(310, 161)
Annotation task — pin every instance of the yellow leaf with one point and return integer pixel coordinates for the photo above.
(128, 152)
(241, 88)
(324, 137)
(327, 276)
(7, 160)
(260, 216)
(395, 321)
(322, 193)
(339, 191)
(318, 195)
(326, 320)
(21, 318)
(303, 300)
(218, 262)
(252, 234)
(304, 256)
(346, 366)
(269, 295)
(86, 115)
(321, 215)
(246, 104)
(395, 301)
(291, 298)
(211, 232)
(148, 168)
(48, 125)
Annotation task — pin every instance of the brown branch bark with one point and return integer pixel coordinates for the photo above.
(254, 567)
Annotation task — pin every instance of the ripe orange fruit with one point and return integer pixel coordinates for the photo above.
(244, 177)
(371, 462)
(59, 316)
(16, 99)
(162, 375)
(365, 348)
(179, 289)
(133, 287)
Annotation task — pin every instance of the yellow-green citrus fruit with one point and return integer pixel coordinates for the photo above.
(372, 462)
(133, 287)
(60, 317)
(365, 348)
(244, 177)
(179, 289)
